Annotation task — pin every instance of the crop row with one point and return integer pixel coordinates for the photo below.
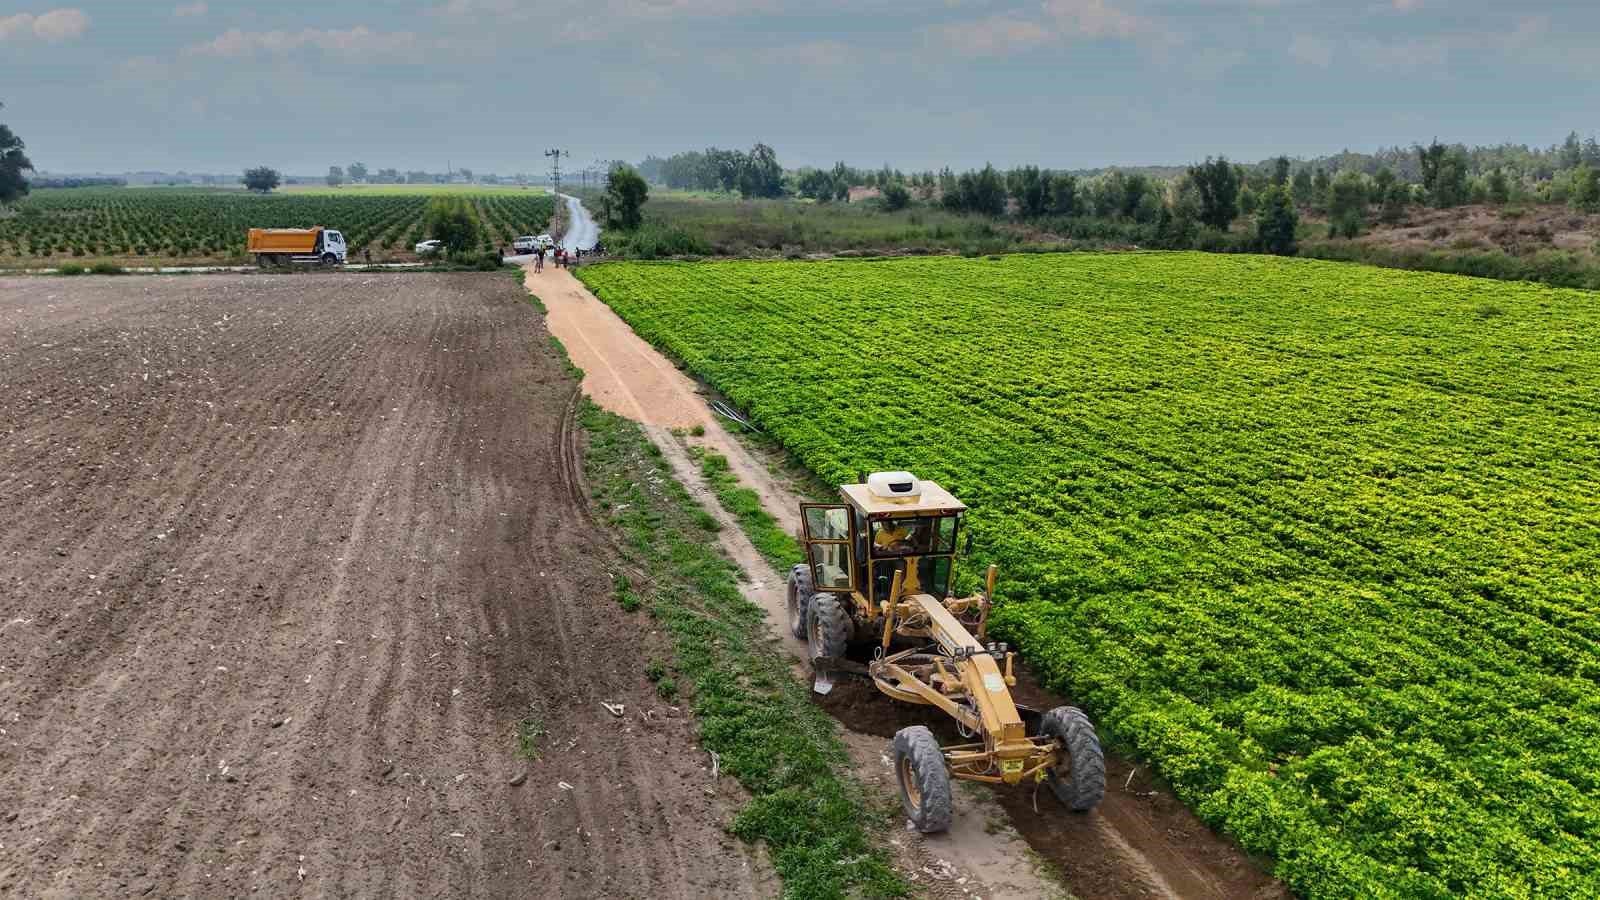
(1322, 542)
(198, 224)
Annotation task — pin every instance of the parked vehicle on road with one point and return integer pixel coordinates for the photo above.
(524, 245)
(281, 246)
(429, 248)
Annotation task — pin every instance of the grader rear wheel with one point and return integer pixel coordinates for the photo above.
(1082, 786)
(828, 632)
(799, 598)
(924, 780)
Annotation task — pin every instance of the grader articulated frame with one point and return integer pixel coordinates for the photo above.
(880, 568)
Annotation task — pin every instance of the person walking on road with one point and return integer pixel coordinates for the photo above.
(538, 260)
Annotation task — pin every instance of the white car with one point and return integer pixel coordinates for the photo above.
(525, 245)
(427, 248)
(545, 241)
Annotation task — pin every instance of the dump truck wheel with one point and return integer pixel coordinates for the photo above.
(800, 591)
(329, 259)
(924, 779)
(827, 627)
(1083, 784)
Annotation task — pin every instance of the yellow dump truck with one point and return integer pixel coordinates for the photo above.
(282, 246)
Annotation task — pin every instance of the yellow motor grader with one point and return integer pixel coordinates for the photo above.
(879, 570)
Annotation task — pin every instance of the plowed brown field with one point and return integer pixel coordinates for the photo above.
(284, 563)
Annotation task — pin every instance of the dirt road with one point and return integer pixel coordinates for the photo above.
(288, 564)
(1140, 843)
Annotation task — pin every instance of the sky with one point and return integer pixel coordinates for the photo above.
(221, 85)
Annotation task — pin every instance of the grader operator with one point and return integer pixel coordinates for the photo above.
(880, 569)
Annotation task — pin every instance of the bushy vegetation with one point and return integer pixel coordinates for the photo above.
(1316, 540)
(211, 225)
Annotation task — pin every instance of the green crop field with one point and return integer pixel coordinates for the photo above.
(201, 225)
(1321, 542)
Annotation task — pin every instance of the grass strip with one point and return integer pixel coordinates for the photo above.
(778, 547)
(752, 711)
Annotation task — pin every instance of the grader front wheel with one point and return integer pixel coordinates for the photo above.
(1082, 784)
(924, 780)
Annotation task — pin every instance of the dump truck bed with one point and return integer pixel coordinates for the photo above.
(283, 240)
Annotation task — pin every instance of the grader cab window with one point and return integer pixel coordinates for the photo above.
(913, 536)
(828, 535)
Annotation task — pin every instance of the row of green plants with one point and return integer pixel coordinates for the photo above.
(49, 225)
(1317, 541)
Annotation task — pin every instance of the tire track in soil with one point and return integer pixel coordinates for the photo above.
(1140, 842)
(338, 554)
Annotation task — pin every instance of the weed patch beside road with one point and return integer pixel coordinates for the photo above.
(752, 712)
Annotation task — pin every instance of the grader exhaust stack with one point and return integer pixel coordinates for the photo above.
(880, 569)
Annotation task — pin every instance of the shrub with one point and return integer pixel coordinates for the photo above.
(70, 268)
(105, 268)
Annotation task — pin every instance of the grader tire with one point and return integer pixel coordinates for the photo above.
(827, 627)
(800, 591)
(924, 780)
(1083, 785)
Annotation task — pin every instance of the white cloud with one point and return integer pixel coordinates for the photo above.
(52, 26)
(994, 36)
(1063, 20)
(191, 10)
(1311, 50)
(1407, 5)
(359, 43)
(1096, 19)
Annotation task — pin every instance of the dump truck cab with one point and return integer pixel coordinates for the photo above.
(891, 522)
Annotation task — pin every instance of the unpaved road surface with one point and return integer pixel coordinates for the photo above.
(285, 563)
(1140, 843)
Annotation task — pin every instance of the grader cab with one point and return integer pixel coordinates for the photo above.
(877, 583)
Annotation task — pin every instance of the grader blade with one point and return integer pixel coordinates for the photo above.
(828, 667)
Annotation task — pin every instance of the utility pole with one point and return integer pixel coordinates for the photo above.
(555, 177)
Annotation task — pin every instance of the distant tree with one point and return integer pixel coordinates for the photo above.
(262, 179)
(1248, 201)
(1277, 222)
(418, 177)
(1499, 187)
(650, 169)
(1218, 185)
(13, 163)
(816, 184)
(1179, 221)
(623, 202)
(335, 176)
(451, 222)
(896, 197)
(1591, 152)
(1395, 200)
(760, 175)
(1302, 190)
(1064, 198)
(981, 192)
(1381, 182)
(1320, 183)
(1137, 189)
(1444, 173)
(1347, 205)
(1105, 194)
(1450, 187)
(1280, 171)
(1571, 152)
(357, 171)
(1031, 190)
(1585, 189)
